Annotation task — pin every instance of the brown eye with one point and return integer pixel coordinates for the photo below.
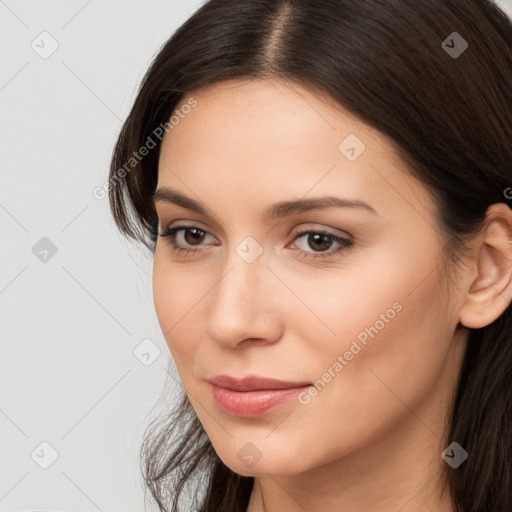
(320, 242)
(317, 243)
(196, 235)
(191, 237)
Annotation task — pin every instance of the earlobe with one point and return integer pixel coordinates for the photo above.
(490, 291)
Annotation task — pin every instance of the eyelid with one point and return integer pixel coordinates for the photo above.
(309, 226)
(301, 230)
(319, 228)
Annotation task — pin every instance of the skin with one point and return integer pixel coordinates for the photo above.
(372, 438)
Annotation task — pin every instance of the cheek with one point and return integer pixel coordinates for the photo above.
(387, 310)
(389, 349)
(176, 298)
(381, 313)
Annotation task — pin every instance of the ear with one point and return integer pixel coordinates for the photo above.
(490, 291)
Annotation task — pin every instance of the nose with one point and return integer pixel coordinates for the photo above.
(243, 305)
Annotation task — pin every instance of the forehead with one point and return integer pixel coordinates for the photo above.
(269, 140)
(269, 110)
(253, 121)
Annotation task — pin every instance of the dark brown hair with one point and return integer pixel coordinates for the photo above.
(396, 64)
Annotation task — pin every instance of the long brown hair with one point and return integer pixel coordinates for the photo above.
(435, 76)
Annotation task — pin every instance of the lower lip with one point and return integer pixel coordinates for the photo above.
(253, 403)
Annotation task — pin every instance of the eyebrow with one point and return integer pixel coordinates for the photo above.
(274, 211)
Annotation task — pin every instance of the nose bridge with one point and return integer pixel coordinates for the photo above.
(240, 282)
(239, 304)
(244, 269)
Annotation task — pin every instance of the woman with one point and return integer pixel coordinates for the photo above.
(325, 187)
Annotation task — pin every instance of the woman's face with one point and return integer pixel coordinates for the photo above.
(365, 319)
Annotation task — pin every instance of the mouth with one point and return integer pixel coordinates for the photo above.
(252, 396)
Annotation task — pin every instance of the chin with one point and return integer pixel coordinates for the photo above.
(250, 461)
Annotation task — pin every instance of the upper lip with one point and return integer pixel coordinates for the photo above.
(253, 382)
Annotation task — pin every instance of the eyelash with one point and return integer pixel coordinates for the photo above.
(170, 233)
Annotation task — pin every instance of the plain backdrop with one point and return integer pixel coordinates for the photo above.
(83, 362)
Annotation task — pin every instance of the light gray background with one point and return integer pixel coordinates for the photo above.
(69, 326)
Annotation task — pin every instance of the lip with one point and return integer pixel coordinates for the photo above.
(253, 395)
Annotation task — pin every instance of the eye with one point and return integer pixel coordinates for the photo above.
(195, 238)
(321, 239)
(192, 236)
